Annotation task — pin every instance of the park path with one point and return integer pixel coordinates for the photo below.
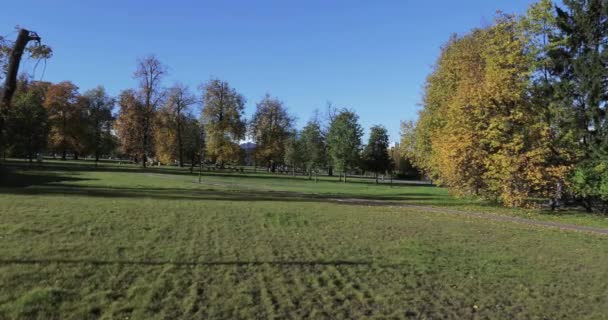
(487, 216)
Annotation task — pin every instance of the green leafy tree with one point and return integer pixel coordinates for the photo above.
(313, 148)
(27, 120)
(270, 127)
(293, 155)
(193, 140)
(98, 107)
(223, 120)
(344, 141)
(375, 154)
(579, 59)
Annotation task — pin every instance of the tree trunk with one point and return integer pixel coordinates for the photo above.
(376, 175)
(96, 157)
(64, 154)
(10, 83)
(179, 142)
(75, 155)
(345, 176)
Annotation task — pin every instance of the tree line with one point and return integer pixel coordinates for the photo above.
(152, 123)
(516, 110)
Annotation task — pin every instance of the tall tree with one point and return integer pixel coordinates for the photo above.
(313, 147)
(344, 141)
(150, 72)
(579, 60)
(178, 103)
(10, 60)
(99, 105)
(375, 153)
(222, 117)
(270, 126)
(65, 118)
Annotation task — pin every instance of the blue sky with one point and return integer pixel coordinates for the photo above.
(371, 56)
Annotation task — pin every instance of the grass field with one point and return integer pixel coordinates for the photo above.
(117, 242)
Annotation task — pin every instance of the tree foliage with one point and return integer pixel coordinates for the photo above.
(98, 106)
(314, 155)
(129, 125)
(344, 141)
(375, 154)
(171, 130)
(293, 154)
(66, 119)
(27, 121)
(479, 132)
(223, 120)
(270, 127)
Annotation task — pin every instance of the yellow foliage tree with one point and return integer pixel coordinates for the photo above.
(478, 132)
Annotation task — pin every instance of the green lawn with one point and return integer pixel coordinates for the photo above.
(117, 242)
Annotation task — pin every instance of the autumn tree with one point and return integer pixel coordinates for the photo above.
(344, 141)
(479, 132)
(129, 126)
(313, 148)
(270, 126)
(222, 117)
(170, 124)
(98, 107)
(375, 154)
(66, 119)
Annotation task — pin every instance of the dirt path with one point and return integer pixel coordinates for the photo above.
(488, 216)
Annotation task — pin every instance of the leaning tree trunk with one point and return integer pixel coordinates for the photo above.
(10, 83)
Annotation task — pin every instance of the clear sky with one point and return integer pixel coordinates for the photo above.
(371, 56)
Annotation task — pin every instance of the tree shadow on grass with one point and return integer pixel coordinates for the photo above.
(50, 178)
(10, 178)
(50, 187)
(220, 263)
(261, 175)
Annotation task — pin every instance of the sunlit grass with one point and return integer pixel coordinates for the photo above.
(85, 243)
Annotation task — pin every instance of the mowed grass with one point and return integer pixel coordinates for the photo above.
(119, 242)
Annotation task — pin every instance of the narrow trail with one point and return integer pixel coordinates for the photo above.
(487, 216)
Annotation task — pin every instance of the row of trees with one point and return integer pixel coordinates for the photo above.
(517, 110)
(153, 122)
